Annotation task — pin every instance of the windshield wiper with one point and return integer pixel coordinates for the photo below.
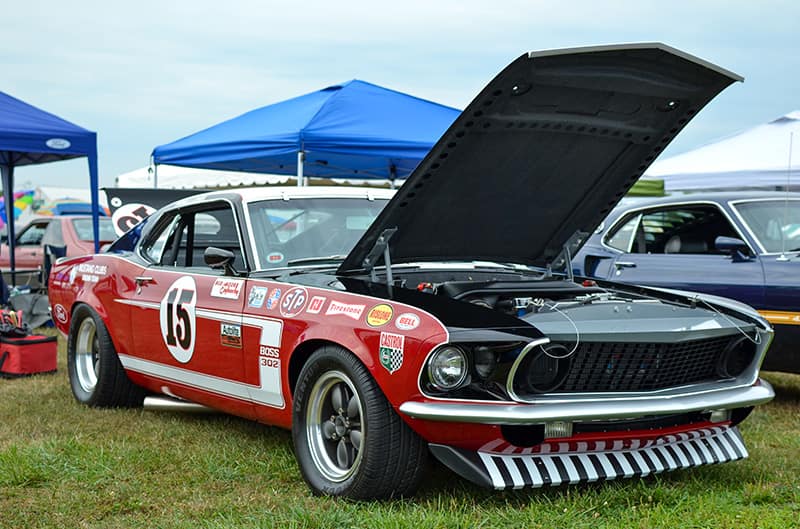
(313, 260)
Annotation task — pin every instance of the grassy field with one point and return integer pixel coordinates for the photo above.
(64, 465)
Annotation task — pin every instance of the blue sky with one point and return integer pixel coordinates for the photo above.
(144, 73)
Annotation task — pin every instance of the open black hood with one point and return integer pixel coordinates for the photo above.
(546, 150)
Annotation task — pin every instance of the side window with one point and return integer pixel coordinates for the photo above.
(673, 230)
(32, 236)
(183, 240)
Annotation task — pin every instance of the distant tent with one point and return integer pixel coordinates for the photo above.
(758, 157)
(29, 136)
(355, 130)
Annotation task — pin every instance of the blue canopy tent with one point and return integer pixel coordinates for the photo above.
(29, 136)
(352, 130)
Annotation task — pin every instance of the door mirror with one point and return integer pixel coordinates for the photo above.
(217, 258)
(734, 247)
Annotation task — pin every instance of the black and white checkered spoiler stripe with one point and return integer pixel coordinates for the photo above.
(517, 470)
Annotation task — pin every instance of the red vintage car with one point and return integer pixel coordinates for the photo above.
(444, 320)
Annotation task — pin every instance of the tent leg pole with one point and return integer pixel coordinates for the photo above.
(300, 158)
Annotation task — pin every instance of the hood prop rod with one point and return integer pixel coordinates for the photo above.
(381, 246)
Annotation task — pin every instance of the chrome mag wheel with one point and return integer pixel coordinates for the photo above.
(87, 358)
(334, 426)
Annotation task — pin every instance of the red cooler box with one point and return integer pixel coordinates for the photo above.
(27, 355)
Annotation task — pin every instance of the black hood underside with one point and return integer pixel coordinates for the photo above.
(545, 151)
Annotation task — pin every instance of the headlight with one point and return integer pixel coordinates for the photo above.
(447, 368)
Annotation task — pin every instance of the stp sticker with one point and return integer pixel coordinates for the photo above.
(274, 296)
(227, 288)
(354, 311)
(390, 351)
(230, 334)
(293, 302)
(379, 315)
(256, 297)
(60, 313)
(408, 321)
(316, 304)
(177, 318)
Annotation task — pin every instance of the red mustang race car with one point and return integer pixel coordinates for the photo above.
(444, 320)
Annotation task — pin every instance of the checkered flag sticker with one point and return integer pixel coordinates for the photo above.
(391, 358)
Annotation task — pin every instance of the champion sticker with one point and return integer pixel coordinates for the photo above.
(379, 315)
(407, 321)
(227, 288)
(256, 297)
(274, 296)
(274, 257)
(230, 335)
(316, 304)
(60, 313)
(293, 302)
(345, 309)
(391, 351)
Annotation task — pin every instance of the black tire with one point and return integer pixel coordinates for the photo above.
(385, 459)
(95, 372)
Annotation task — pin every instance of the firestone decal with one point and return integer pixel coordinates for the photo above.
(177, 318)
(408, 321)
(227, 288)
(316, 304)
(293, 302)
(274, 296)
(257, 297)
(60, 313)
(353, 311)
(379, 315)
(391, 351)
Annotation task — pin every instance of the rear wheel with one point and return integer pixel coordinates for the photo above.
(347, 438)
(95, 372)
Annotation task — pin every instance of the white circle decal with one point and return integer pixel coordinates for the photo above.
(177, 317)
(407, 321)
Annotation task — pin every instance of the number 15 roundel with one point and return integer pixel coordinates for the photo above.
(177, 317)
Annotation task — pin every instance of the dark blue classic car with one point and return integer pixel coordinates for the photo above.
(740, 245)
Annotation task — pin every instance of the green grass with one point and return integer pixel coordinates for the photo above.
(64, 465)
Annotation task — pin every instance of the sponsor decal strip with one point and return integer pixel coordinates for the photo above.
(781, 317)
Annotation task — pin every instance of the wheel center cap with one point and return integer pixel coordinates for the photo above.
(341, 429)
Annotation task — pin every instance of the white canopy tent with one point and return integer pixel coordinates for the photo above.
(174, 177)
(758, 157)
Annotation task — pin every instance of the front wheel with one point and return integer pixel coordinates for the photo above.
(96, 375)
(347, 438)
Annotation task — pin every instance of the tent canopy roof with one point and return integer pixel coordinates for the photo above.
(355, 129)
(29, 135)
(756, 157)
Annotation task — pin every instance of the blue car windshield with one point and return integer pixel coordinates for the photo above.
(775, 223)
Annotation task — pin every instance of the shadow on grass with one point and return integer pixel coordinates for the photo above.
(787, 386)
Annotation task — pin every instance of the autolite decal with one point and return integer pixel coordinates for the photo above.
(227, 288)
(379, 315)
(230, 334)
(353, 311)
(390, 351)
(316, 304)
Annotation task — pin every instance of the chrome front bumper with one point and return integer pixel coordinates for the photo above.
(590, 409)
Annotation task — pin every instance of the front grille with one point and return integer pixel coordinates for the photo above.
(610, 367)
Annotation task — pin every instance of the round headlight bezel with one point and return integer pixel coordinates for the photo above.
(439, 360)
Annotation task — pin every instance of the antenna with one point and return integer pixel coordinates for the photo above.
(786, 201)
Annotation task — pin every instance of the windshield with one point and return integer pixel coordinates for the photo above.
(299, 231)
(84, 231)
(775, 223)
